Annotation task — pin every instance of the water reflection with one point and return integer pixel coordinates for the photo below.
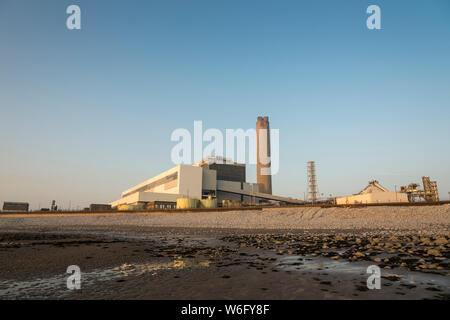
(180, 263)
(56, 285)
(336, 267)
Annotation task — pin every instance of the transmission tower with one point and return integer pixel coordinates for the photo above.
(312, 182)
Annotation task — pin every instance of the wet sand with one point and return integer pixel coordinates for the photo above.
(130, 262)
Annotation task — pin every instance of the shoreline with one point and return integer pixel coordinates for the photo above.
(193, 264)
(427, 220)
(279, 253)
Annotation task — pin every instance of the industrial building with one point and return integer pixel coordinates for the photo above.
(99, 207)
(373, 193)
(429, 193)
(214, 177)
(16, 206)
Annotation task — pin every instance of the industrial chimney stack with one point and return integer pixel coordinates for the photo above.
(263, 174)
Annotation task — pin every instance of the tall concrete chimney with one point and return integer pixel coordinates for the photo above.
(263, 174)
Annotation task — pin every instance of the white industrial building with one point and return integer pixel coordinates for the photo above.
(216, 177)
(373, 193)
(180, 181)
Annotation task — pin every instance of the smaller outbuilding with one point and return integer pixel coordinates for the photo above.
(94, 207)
(373, 193)
(16, 206)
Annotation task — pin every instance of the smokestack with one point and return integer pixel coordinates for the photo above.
(263, 174)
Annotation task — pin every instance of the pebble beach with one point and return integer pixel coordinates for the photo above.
(274, 253)
(424, 219)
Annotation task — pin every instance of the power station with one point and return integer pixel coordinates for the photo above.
(220, 181)
(212, 178)
(217, 181)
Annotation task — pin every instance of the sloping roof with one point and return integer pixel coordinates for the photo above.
(373, 186)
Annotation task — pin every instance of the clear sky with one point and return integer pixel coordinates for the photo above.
(86, 114)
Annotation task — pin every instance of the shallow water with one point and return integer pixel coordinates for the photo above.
(57, 285)
(339, 268)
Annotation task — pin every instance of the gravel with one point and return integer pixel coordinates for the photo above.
(423, 219)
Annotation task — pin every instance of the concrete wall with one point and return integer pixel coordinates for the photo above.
(156, 178)
(229, 184)
(229, 172)
(209, 179)
(126, 200)
(190, 181)
(145, 197)
(222, 195)
(376, 197)
(250, 187)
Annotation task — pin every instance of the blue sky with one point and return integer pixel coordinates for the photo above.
(86, 114)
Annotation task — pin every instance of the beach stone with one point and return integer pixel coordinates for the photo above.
(433, 252)
(426, 241)
(392, 276)
(441, 241)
